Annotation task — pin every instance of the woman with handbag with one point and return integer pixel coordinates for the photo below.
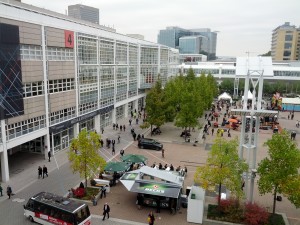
(151, 218)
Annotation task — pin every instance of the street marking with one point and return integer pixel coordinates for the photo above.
(19, 200)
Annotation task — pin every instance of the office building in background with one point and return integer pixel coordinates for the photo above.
(285, 42)
(84, 12)
(190, 41)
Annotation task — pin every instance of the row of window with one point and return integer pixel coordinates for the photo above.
(121, 96)
(121, 53)
(87, 53)
(149, 55)
(164, 56)
(287, 73)
(34, 52)
(231, 71)
(24, 127)
(87, 107)
(62, 115)
(87, 50)
(106, 101)
(87, 97)
(54, 86)
(132, 93)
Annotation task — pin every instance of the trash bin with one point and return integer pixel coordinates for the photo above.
(193, 196)
(187, 191)
(184, 201)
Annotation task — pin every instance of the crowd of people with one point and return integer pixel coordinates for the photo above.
(181, 170)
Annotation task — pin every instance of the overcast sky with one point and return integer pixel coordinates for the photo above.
(243, 25)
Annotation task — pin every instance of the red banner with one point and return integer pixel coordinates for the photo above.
(69, 39)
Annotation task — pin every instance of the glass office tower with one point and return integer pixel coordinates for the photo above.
(171, 37)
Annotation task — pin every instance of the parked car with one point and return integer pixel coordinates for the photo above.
(150, 144)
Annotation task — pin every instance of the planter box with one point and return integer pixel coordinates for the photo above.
(217, 222)
(89, 202)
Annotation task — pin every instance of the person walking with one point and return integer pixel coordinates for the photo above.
(151, 218)
(134, 136)
(49, 155)
(1, 190)
(212, 131)
(130, 121)
(158, 205)
(102, 130)
(113, 151)
(121, 127)
(9, 191)
(113, 142)
(45, 171)
(103, 192)
(40, 172)
(124, 128)
(101, 143)
(163, 153)
(139, 201)
(106, 210)
(119, 137)
(121, 152)
(94, 200)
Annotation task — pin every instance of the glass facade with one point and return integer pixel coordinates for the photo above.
(171, 37)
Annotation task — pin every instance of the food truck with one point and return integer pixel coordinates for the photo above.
(155, 186)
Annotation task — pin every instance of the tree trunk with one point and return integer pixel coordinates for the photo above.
(85, 175)
(219, 197)
(151, 130)
(274, 200)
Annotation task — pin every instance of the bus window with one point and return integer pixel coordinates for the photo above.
(82, 214)
(30, 205)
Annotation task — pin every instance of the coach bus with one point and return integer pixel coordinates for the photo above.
(47, 208)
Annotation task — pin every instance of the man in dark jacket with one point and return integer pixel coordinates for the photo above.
(45, 171)
(106, 210)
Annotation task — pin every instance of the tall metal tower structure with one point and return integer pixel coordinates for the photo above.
(253, 69)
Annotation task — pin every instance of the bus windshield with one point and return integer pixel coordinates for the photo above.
(82, 214)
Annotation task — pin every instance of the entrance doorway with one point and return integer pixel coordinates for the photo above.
(65, 142)
(34, 146)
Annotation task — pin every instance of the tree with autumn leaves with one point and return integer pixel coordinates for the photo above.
(223, 167)
(279, 172)
(83, 154)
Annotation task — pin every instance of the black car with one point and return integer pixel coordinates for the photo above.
(150, 144)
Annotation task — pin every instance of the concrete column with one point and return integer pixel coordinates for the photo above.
(4, 158)
(97, 124)
(114, 115)
(46, 146)
(76, 129)
(47, 102)
(4, 166)
(136, 105)
(126, 110)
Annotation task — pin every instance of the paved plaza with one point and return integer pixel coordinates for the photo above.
(23, 172)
